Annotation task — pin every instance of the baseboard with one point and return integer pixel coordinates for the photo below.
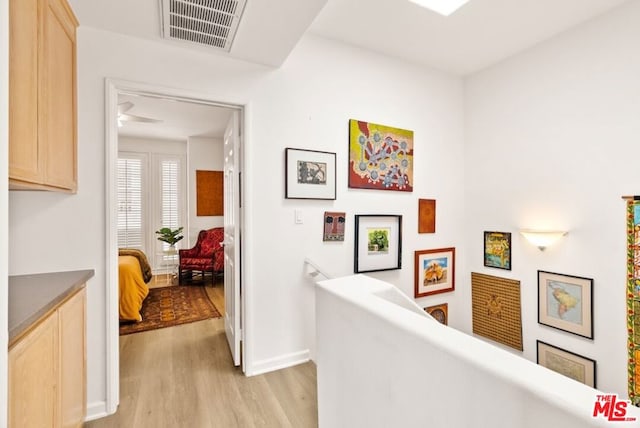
(96, 410)
(277, 363)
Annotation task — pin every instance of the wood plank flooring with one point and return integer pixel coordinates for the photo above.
(183, 376)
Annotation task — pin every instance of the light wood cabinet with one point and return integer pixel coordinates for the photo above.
(47, 370)
(33, 370)
(42, 96)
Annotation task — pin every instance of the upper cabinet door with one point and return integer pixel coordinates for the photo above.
(42, 96)
(25, 162)
(57, 97)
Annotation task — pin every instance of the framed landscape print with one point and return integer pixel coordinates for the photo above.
(497, 250)
(378, 243)
(565, 302)
(380, 157)
(434, 271)
(439, 312)
(310, 174)
(567, 363)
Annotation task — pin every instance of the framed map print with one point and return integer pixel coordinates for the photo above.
(565, 302)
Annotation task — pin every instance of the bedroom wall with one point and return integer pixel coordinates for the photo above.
(306, 103)
(551, 142)
(204, 154)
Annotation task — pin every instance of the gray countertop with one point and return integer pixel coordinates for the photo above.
(33, 296)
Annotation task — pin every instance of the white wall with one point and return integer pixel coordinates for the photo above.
(306, 103)
(204, 154)
(383, 363)
(4, 206)
(552, 142)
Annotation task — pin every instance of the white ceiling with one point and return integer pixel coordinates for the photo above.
(481, 33)
(180, 120)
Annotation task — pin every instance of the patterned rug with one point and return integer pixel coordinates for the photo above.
(169, 306)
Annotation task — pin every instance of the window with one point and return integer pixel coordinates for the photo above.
(131, 213)
(151, 195)
(170, 206)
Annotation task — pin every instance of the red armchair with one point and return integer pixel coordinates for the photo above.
(206, 256)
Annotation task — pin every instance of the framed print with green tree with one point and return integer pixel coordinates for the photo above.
(565, 302)
(497, 250)
(435, 271)
(309, 174)
(378, 243)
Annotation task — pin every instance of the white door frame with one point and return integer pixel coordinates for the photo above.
(113, 87)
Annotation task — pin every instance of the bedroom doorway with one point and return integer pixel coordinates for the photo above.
(144, 105)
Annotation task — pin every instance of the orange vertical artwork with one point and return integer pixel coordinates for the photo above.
(426, 215)
(209, 193)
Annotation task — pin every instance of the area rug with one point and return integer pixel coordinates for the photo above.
(174, 305)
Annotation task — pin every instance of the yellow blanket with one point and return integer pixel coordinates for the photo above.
(132, 288)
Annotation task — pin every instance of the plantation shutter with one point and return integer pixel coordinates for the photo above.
(170, 195)
(130, 204)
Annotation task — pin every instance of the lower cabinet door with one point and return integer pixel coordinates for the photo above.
(33, 377)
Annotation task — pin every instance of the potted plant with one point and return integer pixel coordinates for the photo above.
(170, 236)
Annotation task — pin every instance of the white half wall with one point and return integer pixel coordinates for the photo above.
(307, 104)
(552, 142)
(204, 154)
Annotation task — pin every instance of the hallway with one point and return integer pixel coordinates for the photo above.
(183, 377)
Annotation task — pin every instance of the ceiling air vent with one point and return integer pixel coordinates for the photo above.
(206, 22)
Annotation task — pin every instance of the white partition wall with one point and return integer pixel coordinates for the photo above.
(383, 363)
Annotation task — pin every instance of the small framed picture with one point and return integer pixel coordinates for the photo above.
(497, 250)
(434, 271)
(334, 226)
(310, 174)
(565, 302)
(567, 363)
(378, 243)
(439, 312)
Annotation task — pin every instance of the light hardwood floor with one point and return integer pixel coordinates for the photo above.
(183, 376)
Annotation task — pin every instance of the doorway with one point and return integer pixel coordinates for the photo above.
(114, 91)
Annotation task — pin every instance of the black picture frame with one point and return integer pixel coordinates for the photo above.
(378, 242)
(497, 250)
(309, 174)
(567, 363)
(565, 302)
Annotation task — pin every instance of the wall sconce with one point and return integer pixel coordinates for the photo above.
(542, 238)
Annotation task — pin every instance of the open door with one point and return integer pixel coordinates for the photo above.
(232, 279)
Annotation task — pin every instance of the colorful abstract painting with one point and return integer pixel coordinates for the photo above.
(633, 297)
(380, 157)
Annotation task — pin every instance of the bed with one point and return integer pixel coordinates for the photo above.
(134, 272)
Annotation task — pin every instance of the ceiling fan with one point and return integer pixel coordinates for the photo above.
(123, 117)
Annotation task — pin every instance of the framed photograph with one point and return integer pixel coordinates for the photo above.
(565, 302)
(310, 174)
(378, 243)
(334, 226)
(497, 250)
(439, 312)
(380, 157)
(434, 271)
(567, 363)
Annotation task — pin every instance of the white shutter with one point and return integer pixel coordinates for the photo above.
(130, 203)
(171, 200)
